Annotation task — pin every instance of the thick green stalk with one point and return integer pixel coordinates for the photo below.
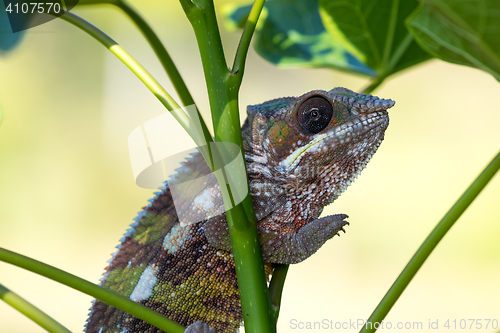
(102, 294)
(256, 307)
(236, 76)
(223, 88)
(201, 14)
(430, 243)
(31, 311)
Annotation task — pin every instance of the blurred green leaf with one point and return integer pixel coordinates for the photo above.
(374, 32)
(235, 16)
(291, 33)
(8, 39)
(465, 32)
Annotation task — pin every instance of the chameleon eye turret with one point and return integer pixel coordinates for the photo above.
(301, 153)
(314, 114)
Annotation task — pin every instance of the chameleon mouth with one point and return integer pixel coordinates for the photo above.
(341, 135)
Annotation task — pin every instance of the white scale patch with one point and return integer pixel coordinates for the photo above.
(205, 201)
(175, 239)
(144, 287)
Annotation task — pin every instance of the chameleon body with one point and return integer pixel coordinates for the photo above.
(301, 153)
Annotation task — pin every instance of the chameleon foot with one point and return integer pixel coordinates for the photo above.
(291, 248)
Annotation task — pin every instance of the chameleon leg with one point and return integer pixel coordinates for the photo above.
(291, 248)
(282, 248)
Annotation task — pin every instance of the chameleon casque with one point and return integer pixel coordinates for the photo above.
(301, 153)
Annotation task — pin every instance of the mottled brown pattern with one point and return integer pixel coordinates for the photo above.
(128, 250)
(209, 267)
(197, 259)
(294, 171)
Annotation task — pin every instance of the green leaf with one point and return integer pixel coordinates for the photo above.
(235, 16)
(374, 32)
(8, 39)
(291, 33)
(461, 32)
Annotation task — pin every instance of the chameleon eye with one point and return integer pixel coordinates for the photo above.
(314, 114)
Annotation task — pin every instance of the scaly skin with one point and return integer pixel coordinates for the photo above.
(301, 154)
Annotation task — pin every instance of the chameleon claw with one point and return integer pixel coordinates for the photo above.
(343, 230)
(293, 248)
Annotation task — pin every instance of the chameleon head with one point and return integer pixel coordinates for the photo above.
(322, 138)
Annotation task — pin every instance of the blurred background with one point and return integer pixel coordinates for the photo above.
(67, 192)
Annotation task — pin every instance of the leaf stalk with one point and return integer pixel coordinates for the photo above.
(86, 287)
(31, 311)
(430, 244)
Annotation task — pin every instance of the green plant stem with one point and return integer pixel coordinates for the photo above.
(246, 37)
(167, 63)
(276, 287)
(236, 76)
(86, 287)
(155, 43)
(223, 89)
(121, 54)
(170, 104)
(160, 51)
(430, 243)
(202, 17)
(374, 85)
(31, 311)
(256, 306)
(400, 51)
